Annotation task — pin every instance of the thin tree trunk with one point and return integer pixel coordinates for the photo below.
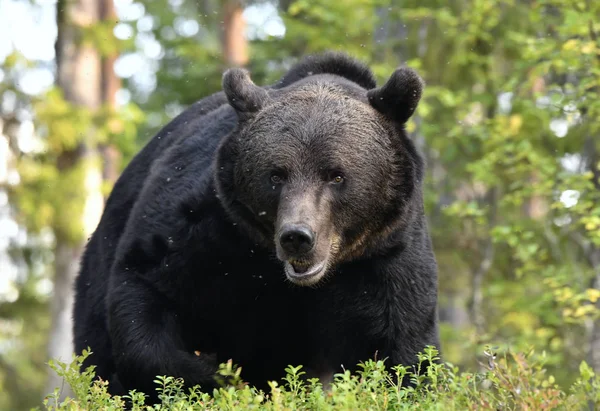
(593, 255)
(479, 274)
(536, 207)
(484, 266)
(235, 44)
(594, 346)
(66, 266)
(78, 74)
(111, 157)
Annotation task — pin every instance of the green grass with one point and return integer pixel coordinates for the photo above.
(513, 382)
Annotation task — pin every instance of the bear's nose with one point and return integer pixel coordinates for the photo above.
(297, 239)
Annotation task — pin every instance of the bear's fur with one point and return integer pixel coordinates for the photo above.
(273, 226)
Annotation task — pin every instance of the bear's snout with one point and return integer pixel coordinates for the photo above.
(297, 239)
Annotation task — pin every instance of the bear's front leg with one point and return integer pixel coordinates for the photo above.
(146, 339)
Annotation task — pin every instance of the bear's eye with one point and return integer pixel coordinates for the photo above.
(276, 178)
(334, 176)
(337, 179)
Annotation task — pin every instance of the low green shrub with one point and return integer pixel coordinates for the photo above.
(514, 381)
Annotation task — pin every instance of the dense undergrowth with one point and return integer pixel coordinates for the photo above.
(510, 382)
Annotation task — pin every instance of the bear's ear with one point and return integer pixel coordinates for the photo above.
(243, 95)
(399, 96)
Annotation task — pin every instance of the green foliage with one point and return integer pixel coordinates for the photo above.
(64, 125)
(190, 65)
(50, 193)
(23, 367)
(515, 381)
(100, 36)
(315, 26)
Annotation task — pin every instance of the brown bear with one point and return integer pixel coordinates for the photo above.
(272, 226)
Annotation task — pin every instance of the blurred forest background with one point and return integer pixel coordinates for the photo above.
(509, 123)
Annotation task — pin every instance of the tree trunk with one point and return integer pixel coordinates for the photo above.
(594, 346)
(480, 272)
(235, 44)
(111, 157)
(66, 266)
(79, 76)
(536, 207)
(592, 252)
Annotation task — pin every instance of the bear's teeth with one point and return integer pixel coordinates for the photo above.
(300, 266)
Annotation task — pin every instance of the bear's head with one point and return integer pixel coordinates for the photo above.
(321, 171)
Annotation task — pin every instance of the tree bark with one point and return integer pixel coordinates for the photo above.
(111, 157)
(235, 44)
(536, 207)
(592, 253)
(594, 346)
(480, 272)
(66, 266)
(79, 76)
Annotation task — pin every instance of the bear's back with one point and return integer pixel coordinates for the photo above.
(99, 255)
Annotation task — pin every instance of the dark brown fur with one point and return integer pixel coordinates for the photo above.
(188, 256)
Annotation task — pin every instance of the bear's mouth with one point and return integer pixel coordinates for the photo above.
(303, 272)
